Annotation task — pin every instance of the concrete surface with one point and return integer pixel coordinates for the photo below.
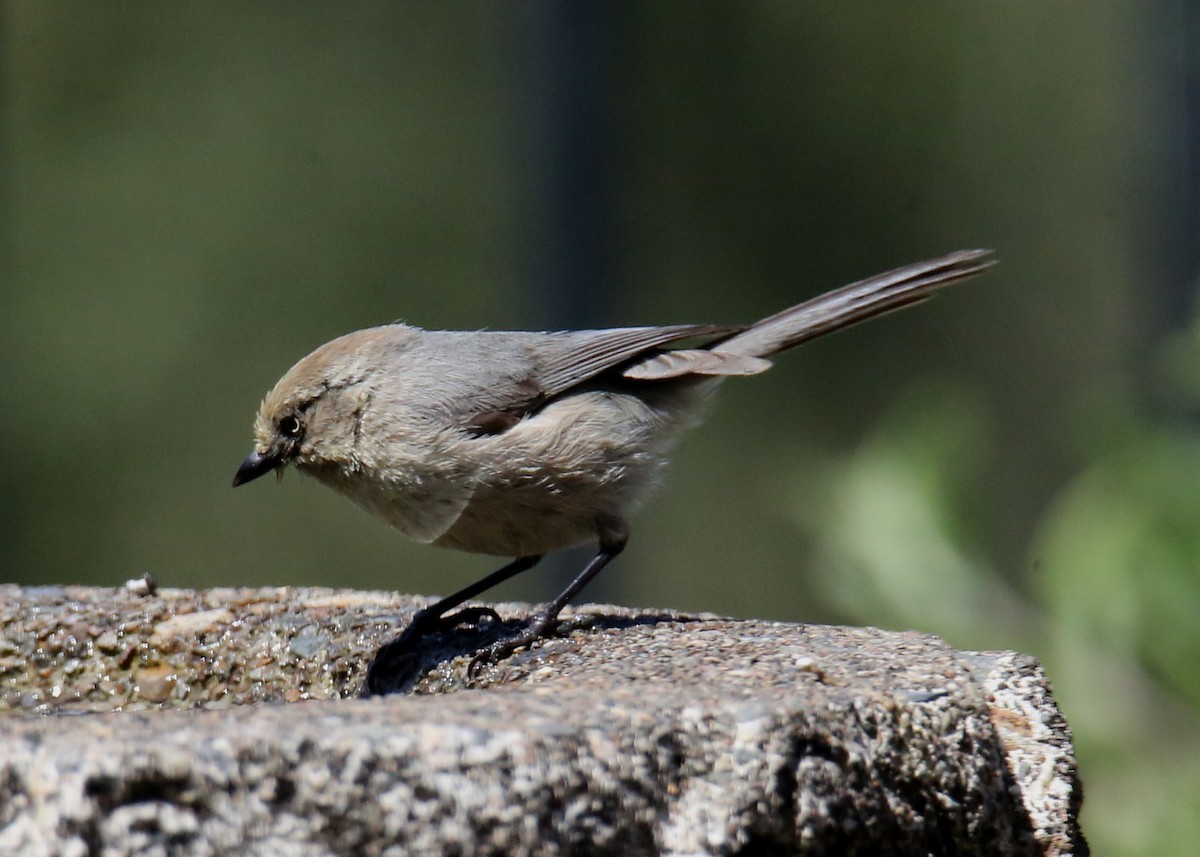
(134, 723)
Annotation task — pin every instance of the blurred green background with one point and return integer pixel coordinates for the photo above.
(195, 196)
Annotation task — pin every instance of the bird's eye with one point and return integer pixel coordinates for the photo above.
(290, 426)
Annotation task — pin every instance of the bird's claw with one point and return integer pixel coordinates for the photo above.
(539, 629)
(491, 656)
(397, 662)
(465, 616)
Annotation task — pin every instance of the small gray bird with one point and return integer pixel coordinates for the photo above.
(520, 443)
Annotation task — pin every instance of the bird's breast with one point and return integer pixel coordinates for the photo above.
(539, 486)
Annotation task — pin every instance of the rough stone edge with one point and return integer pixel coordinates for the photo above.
(1038, 747)
(766, 752)
(1032, 735)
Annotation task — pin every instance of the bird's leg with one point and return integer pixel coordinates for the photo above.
(393, 664)
(614, 533)
(433, 618)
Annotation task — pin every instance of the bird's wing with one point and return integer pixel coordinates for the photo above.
(574, 357)
(694, 361)
(550, 364)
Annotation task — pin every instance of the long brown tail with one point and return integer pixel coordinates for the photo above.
(854, 303)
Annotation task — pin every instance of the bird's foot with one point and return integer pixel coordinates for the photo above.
(427, 622)
(541, 627)
(398, 663)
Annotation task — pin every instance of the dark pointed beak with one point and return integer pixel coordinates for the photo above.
(255, 465)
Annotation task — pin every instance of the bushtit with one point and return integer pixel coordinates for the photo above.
(519, 443)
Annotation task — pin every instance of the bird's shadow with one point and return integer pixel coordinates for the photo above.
(402, 662)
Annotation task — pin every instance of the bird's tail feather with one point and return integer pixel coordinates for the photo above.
(854, 303)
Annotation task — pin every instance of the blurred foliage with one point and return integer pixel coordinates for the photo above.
(196, 196)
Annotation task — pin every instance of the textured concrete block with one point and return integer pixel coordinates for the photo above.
(633, 733)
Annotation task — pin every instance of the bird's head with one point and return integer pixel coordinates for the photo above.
(311, 418)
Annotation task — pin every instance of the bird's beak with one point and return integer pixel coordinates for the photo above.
(255, 465)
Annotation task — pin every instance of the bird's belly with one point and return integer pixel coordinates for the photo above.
(419, 502)
(550, 481)
(516, 522)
